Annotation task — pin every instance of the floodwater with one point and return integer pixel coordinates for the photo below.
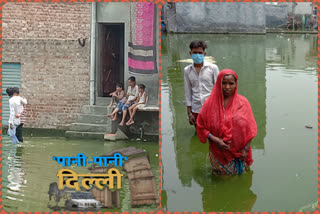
(278, 75)
(28, 169)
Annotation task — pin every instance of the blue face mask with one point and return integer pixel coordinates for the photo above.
(197, 58)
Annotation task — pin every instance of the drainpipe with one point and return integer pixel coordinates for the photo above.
(92, 51)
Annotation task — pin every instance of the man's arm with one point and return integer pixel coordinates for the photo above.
(187, 90)
(188, 97)
(215, 73)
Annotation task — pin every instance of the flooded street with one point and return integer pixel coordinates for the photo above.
(28, 169)
(278, 75)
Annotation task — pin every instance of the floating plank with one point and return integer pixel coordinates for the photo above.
(142, 185)
(138, 163)
(129, 151)
(146, 173)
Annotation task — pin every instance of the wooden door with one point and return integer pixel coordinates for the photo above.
(111, 66)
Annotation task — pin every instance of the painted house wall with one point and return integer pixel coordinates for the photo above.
(55, 68)
(113, 13)
(120, 13)
(43, 37)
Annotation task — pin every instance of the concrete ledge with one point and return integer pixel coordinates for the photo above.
(292, 32)
(119, 135)
(225, 32)
(93, 119)
(38, 132)
(88, 127)
(251, 33)
(85, 135)
(149, 108)
(146, 108)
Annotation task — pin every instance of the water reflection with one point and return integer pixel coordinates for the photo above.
(225, 194)
(15, 173)
(297, 52)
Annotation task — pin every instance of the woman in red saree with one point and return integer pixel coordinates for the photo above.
(227, 121)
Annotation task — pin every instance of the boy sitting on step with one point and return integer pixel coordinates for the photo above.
(119, 97)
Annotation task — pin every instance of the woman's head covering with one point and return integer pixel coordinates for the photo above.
(233, 123)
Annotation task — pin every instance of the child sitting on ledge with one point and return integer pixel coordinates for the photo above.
(142, 100)
(119, 97)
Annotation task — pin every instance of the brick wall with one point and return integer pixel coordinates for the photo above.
(43, 37)
(46, 20)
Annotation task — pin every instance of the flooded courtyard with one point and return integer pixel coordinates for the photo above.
(278, 75)
(28, 169)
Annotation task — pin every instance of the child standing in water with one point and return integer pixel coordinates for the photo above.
(16, 109)
(138, 105)
(21, 114)
(119, 96)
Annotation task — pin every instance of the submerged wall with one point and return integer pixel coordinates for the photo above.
(237, 17)
(216, 17)
(276, 16)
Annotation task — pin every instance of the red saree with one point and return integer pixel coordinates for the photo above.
(235, 123)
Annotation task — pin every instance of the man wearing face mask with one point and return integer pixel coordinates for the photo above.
(199, 79)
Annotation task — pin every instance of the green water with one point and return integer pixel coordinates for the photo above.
(28, 169)
(277, 73)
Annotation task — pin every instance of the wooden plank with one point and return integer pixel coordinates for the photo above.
(143, 189)
(146, 173)
(138, 163)
(129, 151)
(144, 202)
(116, 199)
(98, 170)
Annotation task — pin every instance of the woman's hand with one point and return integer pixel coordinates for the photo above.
(223, 145)
(244, 154)
(245, 151)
